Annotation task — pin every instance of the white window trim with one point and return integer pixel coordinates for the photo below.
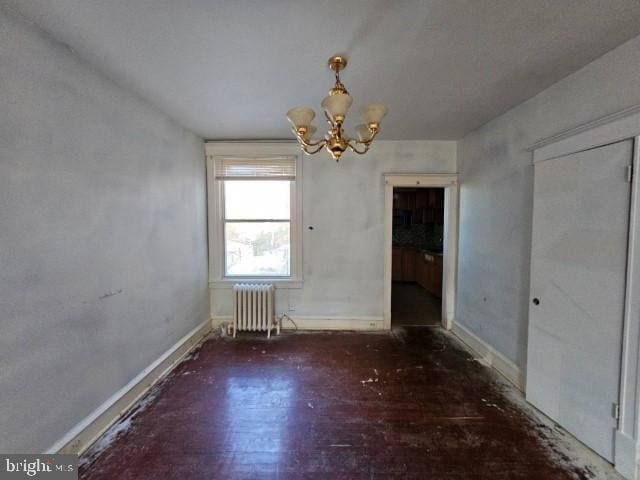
(217, 278)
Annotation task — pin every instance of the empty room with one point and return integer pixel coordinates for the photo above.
(320, 239)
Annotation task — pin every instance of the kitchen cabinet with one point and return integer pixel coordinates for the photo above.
(411, 201)
(403, 264)
(423, 205)
(411, 265)
(408, 264)
(435, 283)
(420, 269)
(429, 273)
(401, 201)
(431, 202)
(404, 200)
(396, 265)
(422, 198)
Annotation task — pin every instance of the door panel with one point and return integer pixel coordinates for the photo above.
(578, 265)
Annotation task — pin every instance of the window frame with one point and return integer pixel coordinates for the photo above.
(215, 202)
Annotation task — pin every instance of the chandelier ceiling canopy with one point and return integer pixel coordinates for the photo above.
(335, 107)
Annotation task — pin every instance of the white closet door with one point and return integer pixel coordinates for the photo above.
(578, 265)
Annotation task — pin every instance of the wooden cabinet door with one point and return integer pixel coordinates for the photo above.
(419, 271)
(436, 279)
(396, 265)
(422, 278)
(403, 201)
(408, 264)
(411, 200)
(419, 268)
(439, 198)
(431, 201)
(430, 277)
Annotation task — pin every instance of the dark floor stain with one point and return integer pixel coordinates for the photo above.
(407, 405)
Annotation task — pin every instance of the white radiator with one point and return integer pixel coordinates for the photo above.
(253, 308)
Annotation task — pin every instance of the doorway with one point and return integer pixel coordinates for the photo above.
(416, 257)
(421, 214)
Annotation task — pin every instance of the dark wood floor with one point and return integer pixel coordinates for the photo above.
(408, 405)
(413, 305)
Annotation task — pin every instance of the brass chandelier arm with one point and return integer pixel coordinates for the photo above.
(352, 147)
(320, 144)
(304, 142)
(366, 145)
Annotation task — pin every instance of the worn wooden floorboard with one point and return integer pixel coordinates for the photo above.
(407, 405)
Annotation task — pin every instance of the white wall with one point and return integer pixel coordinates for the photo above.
(103, 262)
(496, 179)
(344, 253)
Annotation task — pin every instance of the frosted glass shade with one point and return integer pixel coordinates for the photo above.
(337, 106)
(301, 116)
(373, 113)
(310, 131)
(363, 132)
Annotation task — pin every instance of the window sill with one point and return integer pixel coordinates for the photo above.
(228, 283)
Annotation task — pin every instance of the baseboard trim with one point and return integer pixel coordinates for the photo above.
(489, 355)
(87, 431)
(321, 323)
(333, 323)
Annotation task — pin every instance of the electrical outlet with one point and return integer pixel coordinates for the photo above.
(292, 308)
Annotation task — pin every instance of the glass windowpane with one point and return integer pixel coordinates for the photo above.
(257, 248)
(257, 199)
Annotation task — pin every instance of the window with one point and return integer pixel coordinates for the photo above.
(257, 228)
(256, 200)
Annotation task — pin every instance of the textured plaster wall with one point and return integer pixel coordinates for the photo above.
(344, 253)
(496, 178)
(103, 262)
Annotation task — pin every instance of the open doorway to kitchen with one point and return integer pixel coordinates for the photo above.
(416, 259)
(421, 220)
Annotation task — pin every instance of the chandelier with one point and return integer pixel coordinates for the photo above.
(335, 107)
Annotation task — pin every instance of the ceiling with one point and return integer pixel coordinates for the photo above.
(231, 69)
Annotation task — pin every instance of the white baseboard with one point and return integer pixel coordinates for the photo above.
(80, 437)
(333, 323)
(322, 323)
(489, 355)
